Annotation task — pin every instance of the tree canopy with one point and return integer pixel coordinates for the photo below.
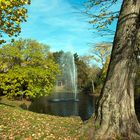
(100, 52)
(102, 13)
(26, 69)
(12, 14)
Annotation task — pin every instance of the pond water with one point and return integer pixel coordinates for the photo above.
(84, 106)
(67, 106)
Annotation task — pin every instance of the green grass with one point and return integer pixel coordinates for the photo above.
(18, 124)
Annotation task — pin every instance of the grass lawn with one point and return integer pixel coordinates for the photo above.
(19, 124)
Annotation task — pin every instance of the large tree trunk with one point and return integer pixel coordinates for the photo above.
(116, 116)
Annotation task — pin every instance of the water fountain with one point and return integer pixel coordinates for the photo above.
(65, 100)
(66, 85)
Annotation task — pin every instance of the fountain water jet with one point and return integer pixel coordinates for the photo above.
(67, 81)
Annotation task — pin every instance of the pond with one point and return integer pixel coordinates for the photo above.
(67, 106)
(84, 106)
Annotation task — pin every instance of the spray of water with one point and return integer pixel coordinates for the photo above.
(69, 73)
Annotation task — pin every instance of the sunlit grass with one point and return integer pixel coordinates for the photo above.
(18, 124)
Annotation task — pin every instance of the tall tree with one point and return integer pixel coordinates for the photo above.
(116, 116)
(82, 72)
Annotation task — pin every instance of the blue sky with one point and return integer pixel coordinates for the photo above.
(60, 25)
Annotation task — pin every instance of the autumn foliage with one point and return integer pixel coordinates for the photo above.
(12, 13)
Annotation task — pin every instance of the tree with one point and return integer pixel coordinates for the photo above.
(137, 85)
(115, 117)
(12, 13)
(57, 56)
(93, 73)
(100, 55)
(101, 52)
(82, 73)
(26, 69)
(104, 69)
(102, 14)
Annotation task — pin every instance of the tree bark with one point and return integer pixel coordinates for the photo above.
(92, 86)
(115, 117)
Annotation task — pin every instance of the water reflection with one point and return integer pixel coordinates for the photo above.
(83, 108)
